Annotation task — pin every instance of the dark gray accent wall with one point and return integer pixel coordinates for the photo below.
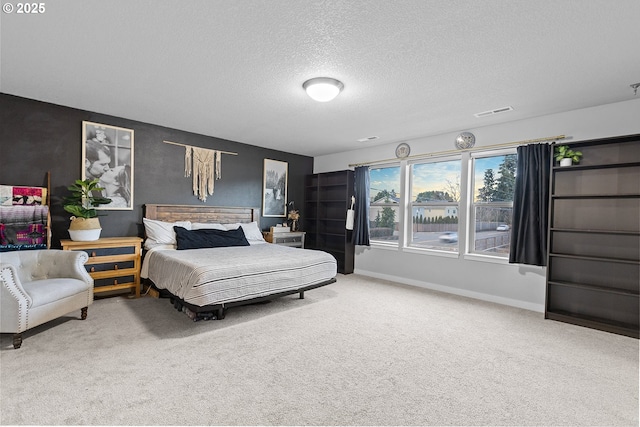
(36, 137)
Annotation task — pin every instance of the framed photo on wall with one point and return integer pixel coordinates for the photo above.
(274, 188)
(107, 154)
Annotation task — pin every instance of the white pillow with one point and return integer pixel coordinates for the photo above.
(207, 226)
(250, 229)
(161, 232)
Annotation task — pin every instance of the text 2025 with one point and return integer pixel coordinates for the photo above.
(30, 8)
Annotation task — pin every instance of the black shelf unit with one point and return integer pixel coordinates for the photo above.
(327, 198)
(593, 269)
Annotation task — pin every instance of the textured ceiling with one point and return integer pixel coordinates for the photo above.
(234, 69)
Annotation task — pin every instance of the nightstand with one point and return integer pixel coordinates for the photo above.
(294, 239)
(114, 262)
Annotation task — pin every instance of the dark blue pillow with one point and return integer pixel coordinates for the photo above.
(209, 238)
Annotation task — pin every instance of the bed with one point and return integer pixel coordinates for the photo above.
(216, 258)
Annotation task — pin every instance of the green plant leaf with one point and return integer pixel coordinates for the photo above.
(84, 198)
(565, 152)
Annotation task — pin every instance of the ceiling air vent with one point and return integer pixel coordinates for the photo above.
(492, 112)
(369, 138)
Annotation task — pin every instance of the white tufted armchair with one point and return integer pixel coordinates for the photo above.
(39, 286)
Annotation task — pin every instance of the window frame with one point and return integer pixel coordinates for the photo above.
(470, 251)
(408, 200)
(466, 206)
(391, 244)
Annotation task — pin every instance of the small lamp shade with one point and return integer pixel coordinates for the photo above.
(323, 89)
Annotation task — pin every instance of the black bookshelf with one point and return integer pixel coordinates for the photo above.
(327, 198)
(593, 274)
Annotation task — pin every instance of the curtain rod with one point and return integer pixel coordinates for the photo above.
(185, 145)
(440, 153)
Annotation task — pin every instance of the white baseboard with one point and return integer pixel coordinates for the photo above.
(456, 291)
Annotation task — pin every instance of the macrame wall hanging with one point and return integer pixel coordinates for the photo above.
(204, 166)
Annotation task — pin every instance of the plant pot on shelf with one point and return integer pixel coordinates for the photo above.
(566, 156)
(84, 229)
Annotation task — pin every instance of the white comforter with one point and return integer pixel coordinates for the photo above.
(220, 275)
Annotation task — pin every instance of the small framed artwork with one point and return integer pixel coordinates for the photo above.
(107, 154)
(274, 188)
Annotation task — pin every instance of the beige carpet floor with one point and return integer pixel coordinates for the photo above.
(358, 352)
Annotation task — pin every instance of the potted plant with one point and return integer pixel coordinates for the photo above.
(566, 156)
(85, 196)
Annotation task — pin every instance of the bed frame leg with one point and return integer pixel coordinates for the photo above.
(302, 295)
(220, 313)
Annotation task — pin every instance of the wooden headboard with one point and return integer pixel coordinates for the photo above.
(195, 213)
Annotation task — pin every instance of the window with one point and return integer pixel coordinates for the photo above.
(384, 206)
(417, 204)
(492, 206)
(435, 197)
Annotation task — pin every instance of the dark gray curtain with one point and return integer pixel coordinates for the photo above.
(360, 234)
(531, 205)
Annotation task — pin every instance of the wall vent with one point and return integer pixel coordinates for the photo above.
(492, 112)
(369, 138)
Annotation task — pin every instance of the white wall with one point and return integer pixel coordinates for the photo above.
(517, 285)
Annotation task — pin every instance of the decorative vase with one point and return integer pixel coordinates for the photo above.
(566, 162)
(294, 225)
(84, 229)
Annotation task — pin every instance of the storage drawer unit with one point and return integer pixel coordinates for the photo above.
(294, 238)
(114, 262)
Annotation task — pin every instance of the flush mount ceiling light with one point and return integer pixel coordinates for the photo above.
(323, 89)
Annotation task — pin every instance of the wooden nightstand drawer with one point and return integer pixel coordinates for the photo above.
(110, 251)
(111, 266)
(114, 281)
(114, 262)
